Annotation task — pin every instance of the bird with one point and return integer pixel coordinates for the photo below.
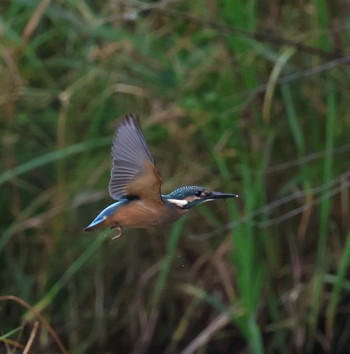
(135, 184)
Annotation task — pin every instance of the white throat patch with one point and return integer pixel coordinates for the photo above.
(178, 202)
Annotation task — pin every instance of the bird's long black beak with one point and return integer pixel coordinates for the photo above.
(220, 195)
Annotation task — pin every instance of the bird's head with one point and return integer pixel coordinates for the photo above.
(190, 196)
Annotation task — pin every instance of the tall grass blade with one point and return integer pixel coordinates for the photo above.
(172, 245)
(70, 272)
(52, 157)
(339, 283)
(321, 258)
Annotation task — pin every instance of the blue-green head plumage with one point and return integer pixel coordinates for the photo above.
(189, 196)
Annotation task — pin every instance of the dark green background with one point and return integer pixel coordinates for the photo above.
(239, 96)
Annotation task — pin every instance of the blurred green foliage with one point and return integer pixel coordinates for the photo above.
(242, 97)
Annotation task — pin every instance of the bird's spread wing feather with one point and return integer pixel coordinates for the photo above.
(133, 171)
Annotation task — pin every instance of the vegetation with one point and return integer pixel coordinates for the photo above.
(240, 97)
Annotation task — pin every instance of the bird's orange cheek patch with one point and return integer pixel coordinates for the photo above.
(191, 198)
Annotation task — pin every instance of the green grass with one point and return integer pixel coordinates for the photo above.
(266, 273)
(325, 208)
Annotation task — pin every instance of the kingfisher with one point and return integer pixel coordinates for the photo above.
(135, 184)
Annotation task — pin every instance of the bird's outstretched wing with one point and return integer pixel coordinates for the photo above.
(133, 171)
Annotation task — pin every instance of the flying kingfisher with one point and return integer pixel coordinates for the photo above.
(135, 183)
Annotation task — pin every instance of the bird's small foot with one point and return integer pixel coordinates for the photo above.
(120, 232)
